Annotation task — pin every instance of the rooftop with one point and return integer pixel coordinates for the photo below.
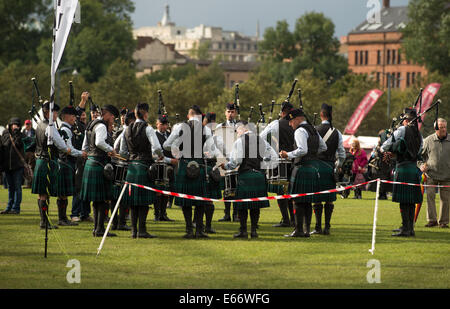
(392, 19)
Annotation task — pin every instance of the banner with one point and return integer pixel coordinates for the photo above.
(64, 16)
(427, 98)
(362, 110)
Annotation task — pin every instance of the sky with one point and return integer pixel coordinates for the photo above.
(242, 15)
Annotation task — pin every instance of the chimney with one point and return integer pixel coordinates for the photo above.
(386, 4)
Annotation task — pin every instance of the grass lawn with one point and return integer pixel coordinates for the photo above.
(271, 261)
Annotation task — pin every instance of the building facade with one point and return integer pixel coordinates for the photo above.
(374, 49)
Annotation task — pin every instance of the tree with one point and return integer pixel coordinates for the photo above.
(105, 34)
(201, 51)
(20, 29)
(278, 43)
(426, 36)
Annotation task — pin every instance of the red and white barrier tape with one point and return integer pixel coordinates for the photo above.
(253, 199)
(413, 184)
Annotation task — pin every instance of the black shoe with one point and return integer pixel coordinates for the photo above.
(200, 234)
(225, 219)
(5, 212)
(157, 218)
(165, 218)
(50, 227)
(236, 219)
(100, 234)
(295, 233)
(326, 231)
(241, 235)
(317, 231)
(254, 234)
(14, 212)
(145, 235)
(66, 222)
(210, 230)
(189, 235)
(133, 234)
(124, 228)
(282, 224)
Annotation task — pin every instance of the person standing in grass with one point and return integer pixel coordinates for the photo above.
(358, 167)
(248, 152)
(436, 164)
(406, 143)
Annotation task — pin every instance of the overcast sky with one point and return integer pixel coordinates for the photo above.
(242, 15)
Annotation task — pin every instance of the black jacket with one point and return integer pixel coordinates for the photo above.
(10, 159)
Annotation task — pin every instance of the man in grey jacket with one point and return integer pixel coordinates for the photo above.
(436, 165)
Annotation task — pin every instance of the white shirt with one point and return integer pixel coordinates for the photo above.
(73, 151)
(399, 133)
(273, 128)
(237, 154)
(101, 134)
(119, 139)
(58, 141)
(301, 140)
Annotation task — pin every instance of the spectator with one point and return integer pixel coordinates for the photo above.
(30, 146)
(13, 164)
(358, 167)
(436, 165)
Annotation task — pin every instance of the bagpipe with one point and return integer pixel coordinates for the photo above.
(237, 105)
(34, 113)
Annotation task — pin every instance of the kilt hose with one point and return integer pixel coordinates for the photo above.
(65, 179)
(305, 179)
(407, 172)
(185, 185)
(40, 181)
(251, 183)
(94, 186)
(137, 173)
(326, 182)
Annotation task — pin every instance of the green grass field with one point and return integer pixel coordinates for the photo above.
(271, 261)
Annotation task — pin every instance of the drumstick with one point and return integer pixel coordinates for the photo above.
(120, 158)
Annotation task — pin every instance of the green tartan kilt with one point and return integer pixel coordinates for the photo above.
(251, 184)
(213, 189)
(407, 172)
(306, 180)
(326, 182)
(137, 173)
(65, 179)
(40, 181)
(185, 185)
(276, 188)
(94, 186)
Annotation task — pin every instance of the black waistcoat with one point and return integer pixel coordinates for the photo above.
(93, 150)
(63, 155)
(162, 139)
(137, 141)
(332, 142)
(413, 140)
(251, 140)
(41, 142)
(195, 131)
(312, 143)
(286, 135)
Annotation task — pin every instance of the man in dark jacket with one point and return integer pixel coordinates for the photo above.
(12, 164)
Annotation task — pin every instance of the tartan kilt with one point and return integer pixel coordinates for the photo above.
(213, 188)
(65, 179)
(137, 173)
(407, 172)
(305, 180)
(326, 182)
(40, 182)
(185, 185)
(251, 184)
(276, 188)
(94, 186)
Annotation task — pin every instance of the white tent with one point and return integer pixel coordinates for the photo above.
(366, 142)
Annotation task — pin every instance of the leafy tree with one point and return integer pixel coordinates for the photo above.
(201, 51)
(278, 43)
(426, 36)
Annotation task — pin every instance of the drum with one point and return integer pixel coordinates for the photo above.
(164, 173)
(120, 172)
(231, 180)
(281, 173)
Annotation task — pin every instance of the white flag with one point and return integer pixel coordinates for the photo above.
(63, 19)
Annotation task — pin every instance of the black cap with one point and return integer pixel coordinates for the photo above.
(327, 108)
(143, 106)
(129, 117)
(294, 113)
(211, 116)
(286, 106)
(112, 109)
(46, 106)
(410, 113)
(123, 111)
(69, 110)
(15, 120)
(196, 109)
(231, 106)
(163, 119)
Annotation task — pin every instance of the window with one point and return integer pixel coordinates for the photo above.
(361, 58)
(227, 45)
(413, 77)
(234, 45)
(399, 58)
(356, 57)
(255, 46)
(367, 57)
(378, 56)
(398, 79)
(220, 46)
(388, 57)
(393, 56)
(378, 77)
(248, 47)
(241, 58)
(233, 58)
(408, 82)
